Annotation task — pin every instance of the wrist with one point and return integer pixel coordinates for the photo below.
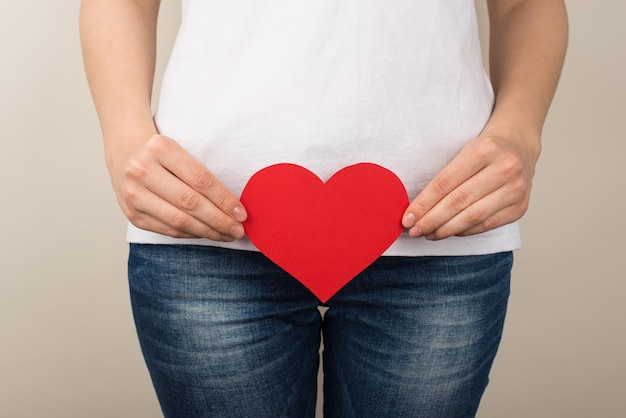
(526, 140)
(121, 144)
(516, 127)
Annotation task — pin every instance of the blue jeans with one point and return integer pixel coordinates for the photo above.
(227, 333)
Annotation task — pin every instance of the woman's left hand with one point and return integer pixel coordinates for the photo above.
(485, 186)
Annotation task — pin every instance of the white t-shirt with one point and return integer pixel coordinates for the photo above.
(326, 84)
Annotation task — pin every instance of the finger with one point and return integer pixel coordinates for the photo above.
(185, 198)
(481, 212)
(504, 217)
(197, 176)
(474, 189)
(155, 214)
(464, 166)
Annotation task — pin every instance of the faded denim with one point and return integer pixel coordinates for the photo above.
(226, 333)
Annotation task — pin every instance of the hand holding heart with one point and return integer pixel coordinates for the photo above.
(161, 188)
(486, 186)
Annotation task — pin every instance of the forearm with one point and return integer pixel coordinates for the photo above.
(528, 41)
(119, 49)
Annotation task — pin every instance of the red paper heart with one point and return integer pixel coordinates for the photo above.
(324, 234)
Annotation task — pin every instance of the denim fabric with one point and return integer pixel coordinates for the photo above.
(226, 333)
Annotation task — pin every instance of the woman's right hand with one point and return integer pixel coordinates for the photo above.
(162, 188)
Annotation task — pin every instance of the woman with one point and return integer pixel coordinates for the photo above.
(322, 84)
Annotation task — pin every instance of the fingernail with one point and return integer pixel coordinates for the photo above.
(409, 220)
(237, 231)
(239, 214)
(431, 237)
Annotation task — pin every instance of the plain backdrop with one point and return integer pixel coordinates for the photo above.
(67, 342)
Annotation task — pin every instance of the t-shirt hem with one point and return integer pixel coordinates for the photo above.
(505, 238)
